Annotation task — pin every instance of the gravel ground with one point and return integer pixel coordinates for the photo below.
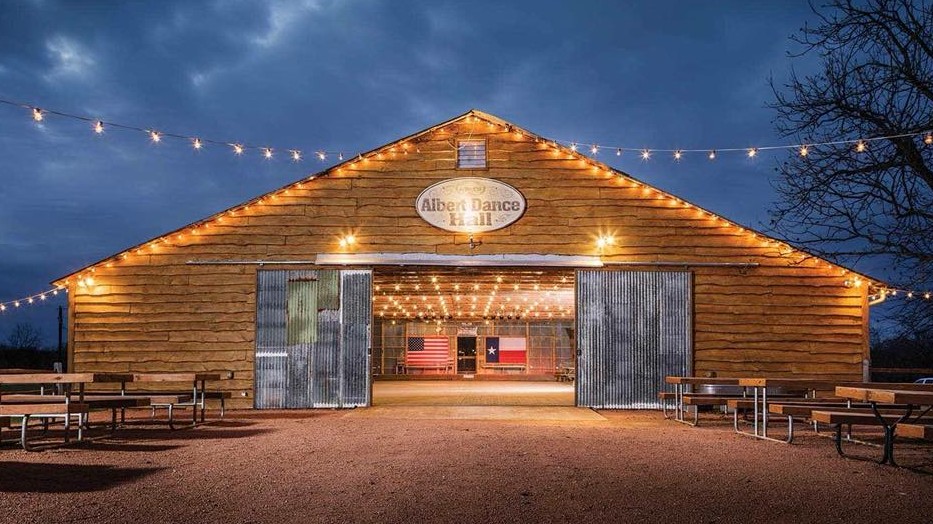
(333, 466)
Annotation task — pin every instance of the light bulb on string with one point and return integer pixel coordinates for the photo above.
(37, 114)
(645, 154)
(619, 152)
(678, 155)
(861, 146)
(751, 152)
(712, 155)
(237, 149)
(928, 139)
(322, 155)
(804, 151)
(573, 147)
(155, 136)
(267, 153)
(595, 149)
(296, 155)
(196, 144)
(98, 127)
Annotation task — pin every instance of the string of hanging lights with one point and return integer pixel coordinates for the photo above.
(907, 294)
(37, 298)
(98, 126)
(858, 145)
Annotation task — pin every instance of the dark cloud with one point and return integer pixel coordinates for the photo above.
(351, 75)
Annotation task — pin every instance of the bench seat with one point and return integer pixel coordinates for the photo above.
(42, 409)
(731, 401)
(805, 410)
(921, 431)
(92, 401)
(704, 400)
(859, 417)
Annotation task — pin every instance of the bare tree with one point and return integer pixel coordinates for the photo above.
(25, 336)
(875, 80)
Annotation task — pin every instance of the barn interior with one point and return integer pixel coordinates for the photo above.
(499, 326)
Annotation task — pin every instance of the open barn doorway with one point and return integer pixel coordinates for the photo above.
(473, 336)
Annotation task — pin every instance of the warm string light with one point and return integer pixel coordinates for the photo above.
(98, 126)
(38, 298)
(859, 145)
(444, 301)
(909, 294)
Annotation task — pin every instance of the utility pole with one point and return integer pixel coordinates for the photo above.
(61, 327)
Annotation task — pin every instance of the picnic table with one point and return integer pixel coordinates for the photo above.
(161, 399)
(63, 407)
(760, 412)
(68, 404)
(680, 389)
(911, 397)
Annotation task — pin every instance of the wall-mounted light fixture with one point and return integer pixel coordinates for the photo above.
(604, 241)
(347, 241)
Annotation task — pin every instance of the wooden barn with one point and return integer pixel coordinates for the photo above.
(473, 249)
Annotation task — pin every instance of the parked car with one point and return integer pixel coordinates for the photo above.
(925, 380)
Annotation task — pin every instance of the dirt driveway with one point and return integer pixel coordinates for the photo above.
(398, 464)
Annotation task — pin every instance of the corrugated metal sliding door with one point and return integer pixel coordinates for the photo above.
(313, 338)
(633, 329)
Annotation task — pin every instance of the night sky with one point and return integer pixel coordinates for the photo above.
(350, 76)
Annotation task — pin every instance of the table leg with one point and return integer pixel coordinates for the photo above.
(764, 412)
(202, 400)
(194, 404)
(887, 456)
(755, 411)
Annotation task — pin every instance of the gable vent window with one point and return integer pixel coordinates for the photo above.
(471, 154)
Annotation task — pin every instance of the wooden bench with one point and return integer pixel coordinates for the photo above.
(65, 411)
(888, 419)
(790, 402)
(93, 403)
(919, 431)
(440, 366)
(506, 367)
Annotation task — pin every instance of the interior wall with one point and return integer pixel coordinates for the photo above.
(550, 344)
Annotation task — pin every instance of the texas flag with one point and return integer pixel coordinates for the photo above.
(505, 350)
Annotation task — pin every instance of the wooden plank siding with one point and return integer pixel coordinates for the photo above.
(150, 311)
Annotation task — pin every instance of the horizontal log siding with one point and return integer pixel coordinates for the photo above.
(152, 312)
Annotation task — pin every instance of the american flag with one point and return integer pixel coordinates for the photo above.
(505, 350)
(427, 351)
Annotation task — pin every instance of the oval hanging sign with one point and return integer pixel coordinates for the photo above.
(470, 205)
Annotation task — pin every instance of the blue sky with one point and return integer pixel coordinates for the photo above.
(349, 76)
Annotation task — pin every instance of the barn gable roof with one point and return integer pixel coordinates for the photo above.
(473, 115)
